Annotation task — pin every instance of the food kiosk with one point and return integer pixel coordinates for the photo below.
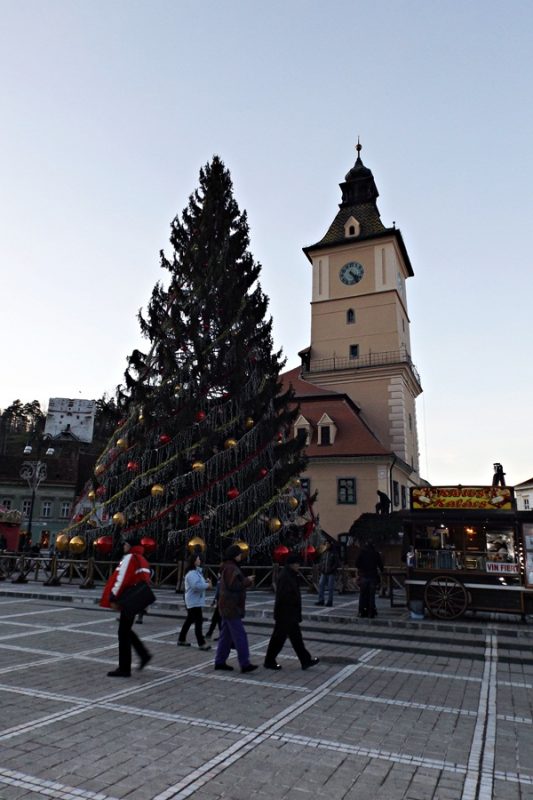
(468, 549)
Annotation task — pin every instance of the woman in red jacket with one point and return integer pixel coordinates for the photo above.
(133, 569)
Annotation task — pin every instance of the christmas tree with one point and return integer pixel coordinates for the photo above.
(204, 452)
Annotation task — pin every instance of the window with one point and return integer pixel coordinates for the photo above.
(526, 503)
(410, 422)
(325, 437)
(7, 503)
(346, 491)
(350, 316)
(395, 493)
(26, 505)
(46, 510)
(65, 509)
(354, 351)
(351, 230)
(403, 325)
(404, 497)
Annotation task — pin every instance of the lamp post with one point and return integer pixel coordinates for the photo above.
(34, 473)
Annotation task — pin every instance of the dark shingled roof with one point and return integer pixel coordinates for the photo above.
(366, 214)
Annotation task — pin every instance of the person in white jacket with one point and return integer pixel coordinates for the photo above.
(195, 589)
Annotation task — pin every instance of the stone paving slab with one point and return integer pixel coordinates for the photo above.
(367, 721)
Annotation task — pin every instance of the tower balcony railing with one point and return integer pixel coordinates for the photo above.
(334, 363)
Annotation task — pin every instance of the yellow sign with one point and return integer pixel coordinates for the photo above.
(477, 498)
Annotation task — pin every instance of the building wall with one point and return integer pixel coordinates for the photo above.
(74, 417)
(13, 497)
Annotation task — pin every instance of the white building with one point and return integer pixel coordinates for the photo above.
(524, 495)
(70, 418)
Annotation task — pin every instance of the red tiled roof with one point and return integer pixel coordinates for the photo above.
(353, 438)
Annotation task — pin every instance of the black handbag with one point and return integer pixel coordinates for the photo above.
(136, 598)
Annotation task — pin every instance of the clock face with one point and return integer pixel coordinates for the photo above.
(351, 273)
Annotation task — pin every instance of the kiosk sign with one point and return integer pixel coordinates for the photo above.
(477, 498)
(501, 568)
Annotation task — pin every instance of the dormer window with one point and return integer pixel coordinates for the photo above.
(327, 430)
(302, 425)
(352, 228)
(350, 316)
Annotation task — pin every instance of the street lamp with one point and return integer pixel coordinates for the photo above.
(34, 472)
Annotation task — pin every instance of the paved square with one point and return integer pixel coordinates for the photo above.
(386, 714)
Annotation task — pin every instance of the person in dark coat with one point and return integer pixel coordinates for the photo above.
(329, 564)
(231, 603)
(287, 616)
(369, 566)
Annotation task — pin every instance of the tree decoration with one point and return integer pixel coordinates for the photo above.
(280, 553)
(76, 545)
(244, 547)
(296, 483)
(62, 542)
(100, 492)
(164, 438)
(293, 502)
(133, 466)
(198, 466)
(104, 545)
(229, 443)
(99, 470)
(194, 519)
(233, 493)
(119, 518)
(263, 472)
(196, 543)
(149, 545)
(157, 490)
(91, 495)
(310, 553)
(274, 524)
(200, 416)
(249, 423)
(122, 443)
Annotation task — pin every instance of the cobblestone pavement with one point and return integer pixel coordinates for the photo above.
(390, 712)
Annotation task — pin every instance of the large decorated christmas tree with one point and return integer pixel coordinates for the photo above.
(204, 452)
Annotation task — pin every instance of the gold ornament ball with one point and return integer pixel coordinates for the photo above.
(92, 523)
(77, 545)
(244, 546)
(141, 416)
(99, 469)
(119, 518)
(249, 423)
(274, 524)
(62, 542)
(157, 490)
(297, 483)
(229, 443)
(92, 495)
(196, 543)
(198, 466)
(122, 443)
(293, 502)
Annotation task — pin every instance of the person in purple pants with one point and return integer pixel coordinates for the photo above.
(231, 603)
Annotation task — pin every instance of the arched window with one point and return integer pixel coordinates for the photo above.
(350, 316)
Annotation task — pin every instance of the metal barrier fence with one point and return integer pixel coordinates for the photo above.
(86, 573)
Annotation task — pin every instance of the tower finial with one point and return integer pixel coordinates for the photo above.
(358, 147)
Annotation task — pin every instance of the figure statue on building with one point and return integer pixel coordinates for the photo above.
(498, 479)
(383, 505)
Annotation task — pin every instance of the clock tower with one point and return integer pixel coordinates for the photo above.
(360, 338)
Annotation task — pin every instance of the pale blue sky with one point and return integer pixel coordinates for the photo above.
(110, 108)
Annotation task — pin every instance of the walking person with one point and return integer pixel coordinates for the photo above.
(231, 604)
(329, 564)
(133, 569)
(287, 616)
(195, 588)
(216, 618)
(369, 566)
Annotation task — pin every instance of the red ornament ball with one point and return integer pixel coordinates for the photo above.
(133, 466)
(280, 553)
(310, 553)
(233, 493)
(164, 438)
(100, 492)
(104, 545)
(200, 416)
(263, 472)
(194, 519)
(149, 544)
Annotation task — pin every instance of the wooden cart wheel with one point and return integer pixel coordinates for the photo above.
(445, 598)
